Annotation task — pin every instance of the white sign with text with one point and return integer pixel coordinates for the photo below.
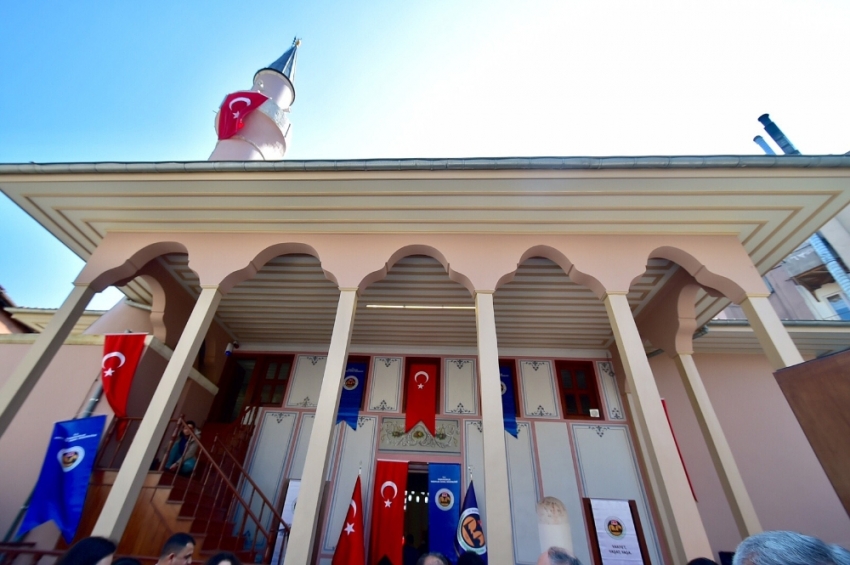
(616, 532)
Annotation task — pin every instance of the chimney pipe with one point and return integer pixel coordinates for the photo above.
(776, 134)
(768, 150)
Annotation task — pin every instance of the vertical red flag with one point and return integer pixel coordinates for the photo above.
(234, 110)
(121, 355)
(421, 396)
(351, 547)
(387, 536)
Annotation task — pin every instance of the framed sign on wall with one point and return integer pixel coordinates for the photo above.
(615, 531)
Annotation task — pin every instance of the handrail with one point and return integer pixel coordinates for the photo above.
(242, 471)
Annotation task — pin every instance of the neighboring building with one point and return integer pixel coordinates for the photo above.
(8, 323)
(564, 271)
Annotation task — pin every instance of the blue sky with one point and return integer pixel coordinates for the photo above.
(120, 81)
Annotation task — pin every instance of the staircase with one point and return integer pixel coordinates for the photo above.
(219, 503)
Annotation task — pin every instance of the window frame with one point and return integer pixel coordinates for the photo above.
(592, 380)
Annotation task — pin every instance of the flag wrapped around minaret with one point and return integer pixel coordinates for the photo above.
(235, 108)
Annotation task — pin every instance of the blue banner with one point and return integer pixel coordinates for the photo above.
(61, 489)
(352, 394)
(506, 375)
(470, 533)
(443, 507)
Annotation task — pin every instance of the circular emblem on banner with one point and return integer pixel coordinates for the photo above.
(71, 457)
(350, 382)
(504, 388)
(445, 499)
(470, 534)
(614, 527)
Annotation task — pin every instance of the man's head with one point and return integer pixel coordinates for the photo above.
(178, 550)
(190, 426)
(557, 556)
(432, 559)
(783, 548)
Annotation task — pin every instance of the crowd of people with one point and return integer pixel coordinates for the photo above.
(766, 548)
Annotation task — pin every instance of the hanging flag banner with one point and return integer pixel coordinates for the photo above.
(61, 489)
(234, 110)
(443, 507)
(386, 535)
(470, 532)
(506, 375)
(421, 396)
(351, 548)
(121, 355)
(351, 398)
(615, 532)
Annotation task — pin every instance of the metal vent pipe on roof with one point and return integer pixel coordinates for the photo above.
(763, 144)
(776, 134)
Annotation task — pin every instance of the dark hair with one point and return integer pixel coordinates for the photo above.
(438, 556)
(193, 424)
(559, 556)
(470, 558)
(176, 543)
(87, 551)
(702, 561)
(222, 557)
(126, 561)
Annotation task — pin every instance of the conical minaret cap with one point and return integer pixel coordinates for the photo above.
(285, 65)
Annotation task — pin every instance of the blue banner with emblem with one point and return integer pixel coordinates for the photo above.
(443, 507)
(60, 492)
(470, 533)
(352, 394)
(506, 375)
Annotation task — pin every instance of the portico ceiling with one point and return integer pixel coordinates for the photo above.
(770, 204)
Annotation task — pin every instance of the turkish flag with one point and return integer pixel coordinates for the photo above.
(351, 547)
(387, 536)
(121, 355)
(234, 110)
(421, 396)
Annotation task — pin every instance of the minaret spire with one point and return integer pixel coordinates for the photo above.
(254, 125)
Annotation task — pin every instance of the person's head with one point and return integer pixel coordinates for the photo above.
(126, 561)
(89, 551)
(840, 555)
(557, 556)
(190, 426)
(432, 559)
(470, 558)
(702, 561)
(223, 558)
(783, 548)
(178, 550)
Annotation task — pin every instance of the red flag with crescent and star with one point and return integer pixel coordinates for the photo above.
(421, 396)
(121, 355)
(386, 538)
(351, 548)
(234, 110)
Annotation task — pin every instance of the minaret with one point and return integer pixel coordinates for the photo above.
(260, 121)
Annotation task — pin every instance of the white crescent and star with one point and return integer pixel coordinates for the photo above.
(247, 102)
(349, 527)
(416, 376)
(389, 501)
(110, 371)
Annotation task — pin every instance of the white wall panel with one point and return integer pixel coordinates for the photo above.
(522, 482)
(608, 469)
(557, 473)
(539, 393)
(358, 448)
(610, 390)
(385, 388)
(461, 386)
(306, 381)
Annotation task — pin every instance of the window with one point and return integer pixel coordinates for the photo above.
(840, 306)
(577, 385)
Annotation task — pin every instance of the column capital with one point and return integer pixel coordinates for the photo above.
(477, 292)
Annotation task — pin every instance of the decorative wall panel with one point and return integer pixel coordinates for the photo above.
(557, 473)
(394, 438)
(296, 468)
(385, 388)
(610, 390)
(539, 392)
(608, 469)
(358, 447)
(474, 446)
(306, 381)
(522, 482)
(461, 386)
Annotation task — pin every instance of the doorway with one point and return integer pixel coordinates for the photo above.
(416, 511)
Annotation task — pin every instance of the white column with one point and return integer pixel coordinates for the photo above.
(772, 335)
(40, 354)
(730, 477)
(689, 537)
(499, 534)
(299, 550)
(122, 498)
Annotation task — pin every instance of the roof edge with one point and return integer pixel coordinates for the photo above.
(413, 164)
